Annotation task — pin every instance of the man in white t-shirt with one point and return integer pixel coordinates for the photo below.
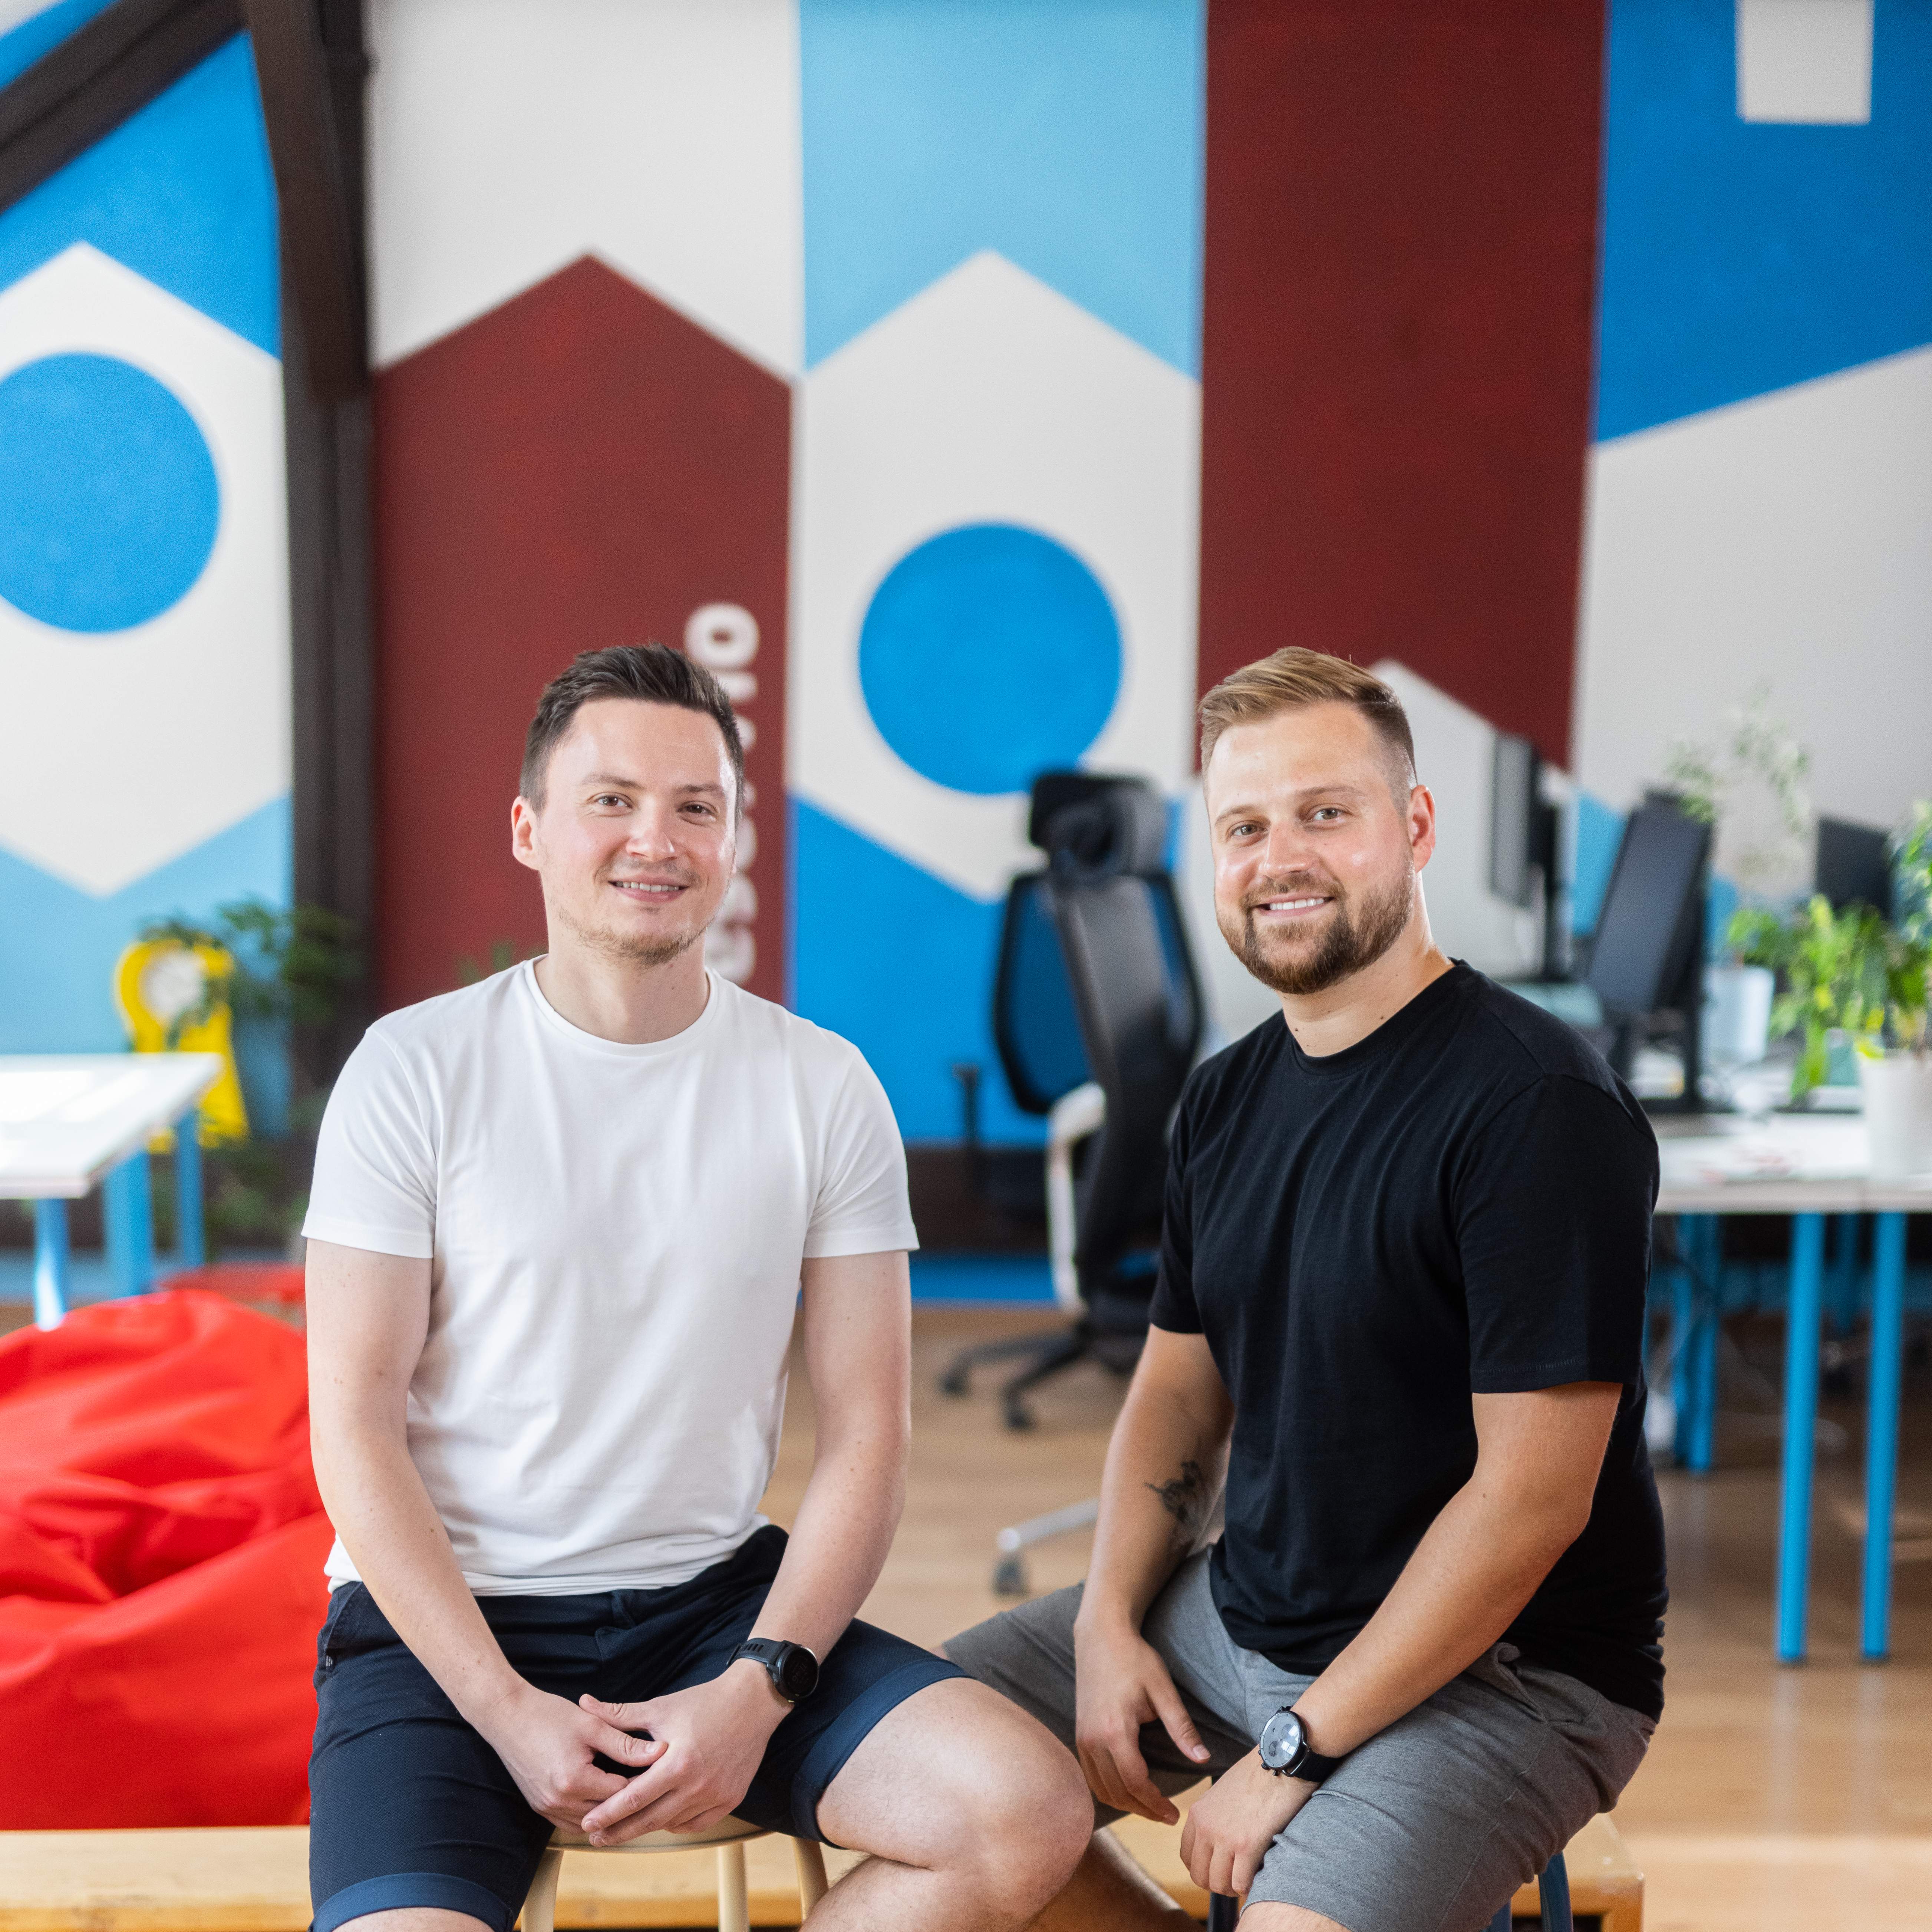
(559, 1230)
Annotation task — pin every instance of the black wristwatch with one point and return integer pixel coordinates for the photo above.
(1286, 1751)
(793, 1669)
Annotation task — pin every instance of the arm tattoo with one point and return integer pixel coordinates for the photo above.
(1184, 1497)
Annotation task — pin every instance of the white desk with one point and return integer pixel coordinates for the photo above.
(1806, 1166)
(67, 1121)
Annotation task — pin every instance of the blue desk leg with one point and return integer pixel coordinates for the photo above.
(1844, 1273)
(190, 1233)
(1888, 1351)
(1802, 1317)
(130, 1226)
(1707, 1251)
(50, 1252)
(1683, 1340)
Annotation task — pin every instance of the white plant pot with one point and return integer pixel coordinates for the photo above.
(1897, 1089)
(1737, 1014)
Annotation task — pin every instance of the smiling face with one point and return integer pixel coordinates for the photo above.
(635, 839)
(1318, 838)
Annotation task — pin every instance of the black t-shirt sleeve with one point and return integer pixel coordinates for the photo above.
(1553, 1222)
(1173, 1307)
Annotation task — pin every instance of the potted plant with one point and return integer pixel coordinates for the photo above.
(1853, 974)
(1752, 789)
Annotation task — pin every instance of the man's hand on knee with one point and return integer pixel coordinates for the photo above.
(708, 1741)
(1228, 1831)
(548, 1745)
(1121, 1684)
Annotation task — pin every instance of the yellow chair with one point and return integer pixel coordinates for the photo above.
(729, 1834)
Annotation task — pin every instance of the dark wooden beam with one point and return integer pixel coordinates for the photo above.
(321, 237)
(331, 600)
(101, 74)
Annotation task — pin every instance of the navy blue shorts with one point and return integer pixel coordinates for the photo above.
(410, 1807)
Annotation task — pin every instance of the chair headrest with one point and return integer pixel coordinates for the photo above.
(1098, 826)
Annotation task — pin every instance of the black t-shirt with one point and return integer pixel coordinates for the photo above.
(1459, 1204)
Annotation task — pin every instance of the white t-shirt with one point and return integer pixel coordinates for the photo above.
(615, 1234)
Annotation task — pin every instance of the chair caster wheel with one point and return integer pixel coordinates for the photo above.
(1017, 1417)
(1010, 1577)
(953, 1382)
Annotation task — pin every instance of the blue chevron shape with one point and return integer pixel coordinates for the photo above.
(181, 192)
(860, 914)
(1069, 137)
(1739, 258)
(58, 944)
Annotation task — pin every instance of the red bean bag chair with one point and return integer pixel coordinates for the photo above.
(161, 1545)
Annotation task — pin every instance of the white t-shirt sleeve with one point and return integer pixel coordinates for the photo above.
(375, 1159)
(862, 1207)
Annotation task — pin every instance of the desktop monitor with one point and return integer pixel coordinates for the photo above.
(1514, 859)
(1853, 867)
(1650, 933)
(1523, 841)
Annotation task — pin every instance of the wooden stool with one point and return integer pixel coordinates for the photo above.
(728, 1834)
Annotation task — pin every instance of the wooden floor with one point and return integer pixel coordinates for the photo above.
(1774, 1800)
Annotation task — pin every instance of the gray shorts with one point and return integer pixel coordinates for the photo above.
(1428, 1827)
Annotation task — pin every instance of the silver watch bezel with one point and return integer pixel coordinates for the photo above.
(1283, 1723)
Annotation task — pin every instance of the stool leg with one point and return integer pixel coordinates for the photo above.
(540, 1907)
(811, 1874)
(1553, 1891)
(734, 1908)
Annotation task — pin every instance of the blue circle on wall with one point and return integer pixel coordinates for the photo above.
(108, 497)
(989, 655)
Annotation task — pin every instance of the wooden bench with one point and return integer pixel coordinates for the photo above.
(256, 1880)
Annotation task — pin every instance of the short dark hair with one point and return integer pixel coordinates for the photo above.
(653, 673)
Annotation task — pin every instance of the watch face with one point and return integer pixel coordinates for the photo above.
(798, 1673)
(1281, 1739)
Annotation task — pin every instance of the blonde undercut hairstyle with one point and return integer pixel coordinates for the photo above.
(1294, 677)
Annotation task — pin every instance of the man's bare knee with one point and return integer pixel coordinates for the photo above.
(414, 1918)
(1265, 1915)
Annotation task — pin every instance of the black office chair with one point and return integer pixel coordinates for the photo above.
(1097, 1015)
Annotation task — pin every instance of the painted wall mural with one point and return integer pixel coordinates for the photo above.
(934, 372)
(144, 653)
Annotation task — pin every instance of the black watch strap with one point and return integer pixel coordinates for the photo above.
(793, 1669)
(1309, 1763)
(1304, 1761)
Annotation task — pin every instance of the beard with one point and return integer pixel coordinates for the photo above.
(1356, 934)
(631, 949)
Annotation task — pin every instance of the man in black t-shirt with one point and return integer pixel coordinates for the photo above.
(1401, 1313)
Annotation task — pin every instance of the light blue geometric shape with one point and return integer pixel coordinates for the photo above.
(1600, 831)
(989, 654)
(109, 503)
(1067, 135)
(180, 193)
(58, 946)
(1741, 257)
(901, 965)
(40, 34)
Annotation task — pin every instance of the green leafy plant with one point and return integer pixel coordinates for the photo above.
(504, 953)
(1850, 972)
(291, 963)
(1911, 850)
(1758, 763)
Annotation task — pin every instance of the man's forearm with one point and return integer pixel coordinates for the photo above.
(375, 1498)
(1163, 1476)
(1470, 1576)
(839, 1541)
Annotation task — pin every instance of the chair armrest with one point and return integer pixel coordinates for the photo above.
(1076, 1115)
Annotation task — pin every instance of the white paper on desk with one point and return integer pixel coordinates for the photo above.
(1820, 1150)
